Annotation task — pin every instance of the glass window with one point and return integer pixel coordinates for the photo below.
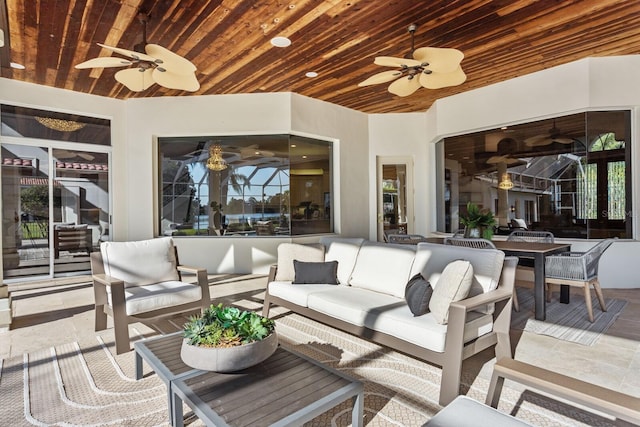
(256, 185)
(570, 175)
(41, 124)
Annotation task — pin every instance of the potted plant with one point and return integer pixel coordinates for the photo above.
(478, 222)
(227, 339)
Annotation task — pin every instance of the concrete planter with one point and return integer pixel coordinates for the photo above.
(228, 359)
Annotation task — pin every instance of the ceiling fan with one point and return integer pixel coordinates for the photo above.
(158, 65)
(554, 135)
(431, 67)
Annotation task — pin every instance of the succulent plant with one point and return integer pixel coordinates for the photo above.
(225, 326)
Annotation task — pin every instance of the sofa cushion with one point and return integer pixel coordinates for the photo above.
(391, 315)
(453, 285)
(345, 251)
(315, 272)
(295, 293)
(418, 294)
(383, 267)
(142, 262)
(287, 252)
(140, 299)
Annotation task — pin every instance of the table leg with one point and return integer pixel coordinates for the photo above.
(357, 414)
(177, 417)
(538, 291)
(138, 366)
(564, 294)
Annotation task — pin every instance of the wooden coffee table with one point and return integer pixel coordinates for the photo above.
(286, 389)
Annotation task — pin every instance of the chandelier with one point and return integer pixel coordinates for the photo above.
(505, 183)
(216, 162)
(60, 125)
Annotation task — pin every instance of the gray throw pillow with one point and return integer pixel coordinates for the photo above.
(417, 294)
(315, 272)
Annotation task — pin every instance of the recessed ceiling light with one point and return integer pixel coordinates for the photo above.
(311, 74)
(304, 157)
(293, 145)
(17, 66)
(280, 41)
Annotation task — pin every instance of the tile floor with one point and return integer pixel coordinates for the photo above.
(59, 311)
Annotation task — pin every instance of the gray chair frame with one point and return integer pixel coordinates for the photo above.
(470, 243)
(118, 311)
(533, 236)
(404, 238)
(578, 269)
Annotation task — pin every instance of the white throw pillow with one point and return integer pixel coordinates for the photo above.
(287, 252)
(453, 285)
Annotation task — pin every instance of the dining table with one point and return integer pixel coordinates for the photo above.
(538, 252)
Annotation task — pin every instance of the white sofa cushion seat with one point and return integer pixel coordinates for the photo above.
(391, 315)
(140, 299)
(297, 294)
(383, 267)
(345, 251)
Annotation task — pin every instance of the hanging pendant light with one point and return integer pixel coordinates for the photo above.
(505, 182)
(215, 161)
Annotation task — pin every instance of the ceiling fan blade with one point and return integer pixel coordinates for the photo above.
(170, 61)
(440, 80)
(104, 62)
(390, 61)
(172, 80)
(129, 53)
(404, 86)
(383, 77)
(440, 60)
(563, 140)
(538, 141)
(135, 79)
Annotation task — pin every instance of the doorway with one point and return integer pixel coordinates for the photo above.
(55, 209)
(395, 205)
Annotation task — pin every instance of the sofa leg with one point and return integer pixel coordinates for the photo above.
(450, 382)
(266, 306)
(100, 318)
(121, 331)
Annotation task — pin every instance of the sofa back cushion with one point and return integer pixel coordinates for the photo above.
(345, 251)
(287, 252)
(383, 267)
(142, 262)
(432, 258)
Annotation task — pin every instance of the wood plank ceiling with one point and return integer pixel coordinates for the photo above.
(228, 41)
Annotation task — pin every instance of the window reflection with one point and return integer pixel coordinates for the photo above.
(569, 175)
(260, 185)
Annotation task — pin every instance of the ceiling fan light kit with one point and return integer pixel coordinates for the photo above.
(158, 65)
(431, 68)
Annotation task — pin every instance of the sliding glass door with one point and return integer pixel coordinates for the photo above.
(55, 209)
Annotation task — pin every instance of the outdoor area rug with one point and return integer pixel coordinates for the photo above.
(568, 322)
(85, 383)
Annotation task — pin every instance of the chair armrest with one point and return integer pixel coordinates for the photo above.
(105, 280)
(190, 269)
(566, 254)
(272, 273)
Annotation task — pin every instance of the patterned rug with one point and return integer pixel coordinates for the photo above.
(85, 383)
(568, 322)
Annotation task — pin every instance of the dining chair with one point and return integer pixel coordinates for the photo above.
(469, 243)
(406, 238)
(479, 244)
(526, 264)
(578, 269)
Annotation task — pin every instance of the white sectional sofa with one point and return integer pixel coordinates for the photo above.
(369, 298)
